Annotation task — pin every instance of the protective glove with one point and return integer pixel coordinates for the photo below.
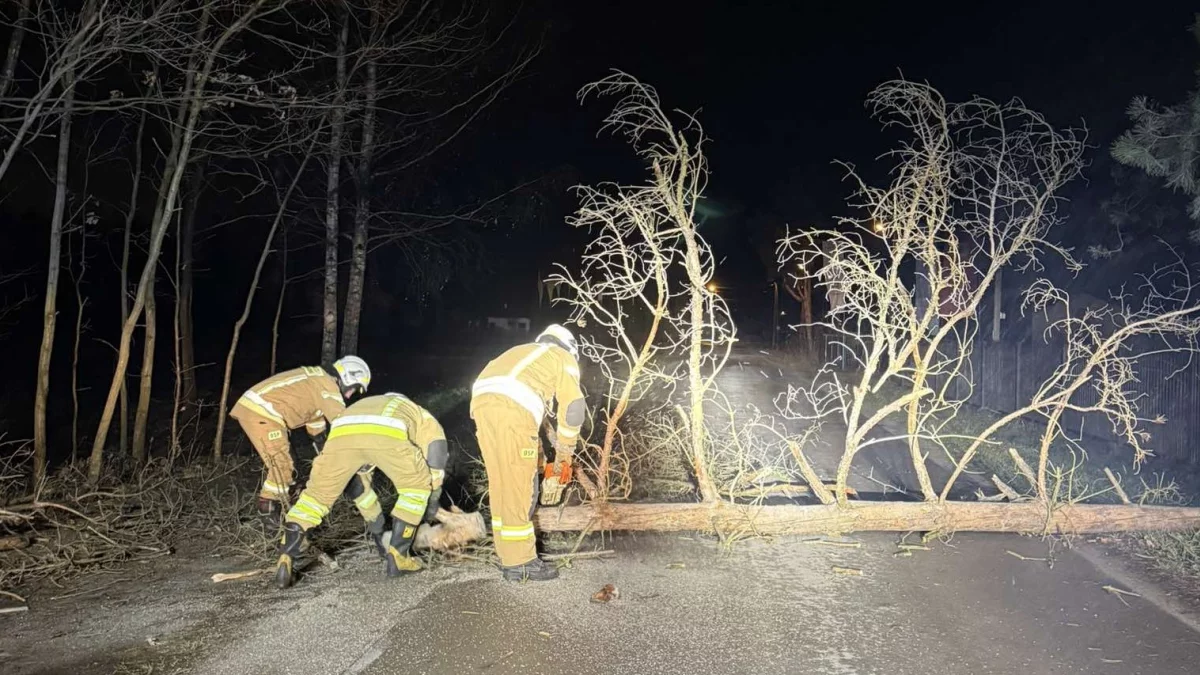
(564, 452)
(431, 509)
(318, 441)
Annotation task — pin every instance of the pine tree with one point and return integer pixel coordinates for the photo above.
(1165, 143)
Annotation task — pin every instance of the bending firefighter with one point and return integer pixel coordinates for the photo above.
(303, 397)
(402, 440)
(508, 404)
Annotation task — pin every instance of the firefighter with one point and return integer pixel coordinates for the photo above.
(303, 397)
(508, 403)
(401, 439)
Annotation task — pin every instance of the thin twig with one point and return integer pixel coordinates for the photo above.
(1117, 486)
(584, 555)
(1018, 556)
(830, 542)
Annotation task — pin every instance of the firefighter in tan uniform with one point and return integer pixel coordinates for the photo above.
(303, 397)
(401, 439)
(508, 403)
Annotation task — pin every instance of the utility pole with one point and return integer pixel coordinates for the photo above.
(775, 314)
(997, 315)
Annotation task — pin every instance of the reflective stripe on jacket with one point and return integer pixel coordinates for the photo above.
(301, 397)
(533, 375)
(387, 421)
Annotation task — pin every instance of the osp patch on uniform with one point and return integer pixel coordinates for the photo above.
(274, 435)
(528, 453)
(409, 531)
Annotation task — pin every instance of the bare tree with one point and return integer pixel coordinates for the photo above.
(678, 169)
(974, 191)
(186, 288)
(126, 241)
(50, 310)
(622, 296)
(78, 272)
(284, 201)
(412, 75)
(362, 198)
(283, 284)
(333, 163)
(202, 61)
(141, 415)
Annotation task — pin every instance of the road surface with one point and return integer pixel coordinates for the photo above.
(685, 605)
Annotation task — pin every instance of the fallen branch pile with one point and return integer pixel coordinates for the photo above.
(67, 526)
(1026, 517)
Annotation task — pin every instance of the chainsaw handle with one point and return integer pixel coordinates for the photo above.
(560, 469)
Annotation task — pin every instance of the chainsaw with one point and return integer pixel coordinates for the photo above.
(555, 478)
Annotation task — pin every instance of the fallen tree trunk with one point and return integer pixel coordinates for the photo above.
(871, 516)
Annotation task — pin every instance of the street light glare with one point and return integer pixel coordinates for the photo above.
(712, 287)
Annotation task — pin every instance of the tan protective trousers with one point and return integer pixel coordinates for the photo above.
(338, 464)
(508, 439)
(270, 441)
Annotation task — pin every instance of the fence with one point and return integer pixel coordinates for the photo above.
(1004, 376)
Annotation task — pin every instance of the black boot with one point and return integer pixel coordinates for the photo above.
(376, 529)
(289, 549)
(534, 570)
(269, 514)
(399, 551)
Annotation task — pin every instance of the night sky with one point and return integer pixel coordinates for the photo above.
(780, 86)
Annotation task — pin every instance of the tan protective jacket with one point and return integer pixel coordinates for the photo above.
(533, 375)
(385, 422)
(306, 396)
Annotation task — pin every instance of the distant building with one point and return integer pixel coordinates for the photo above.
(513, 324)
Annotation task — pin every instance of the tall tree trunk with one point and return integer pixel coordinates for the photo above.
(362, 218)
(696, 387)
(241, 321)
(283, 284)
(177, 355)
(186, 286)
(126, 239)
(14, 47)
(696, 424)
(50, 308)
(193, 104)
(146, 379)
(997, 304)
(80, 303)
(329, 318)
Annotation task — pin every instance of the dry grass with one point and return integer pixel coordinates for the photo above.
(1176, 553)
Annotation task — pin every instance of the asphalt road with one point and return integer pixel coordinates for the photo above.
(782, 609)
(685, 606)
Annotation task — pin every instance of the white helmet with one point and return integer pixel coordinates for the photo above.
(556, 334)
(353, 372)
